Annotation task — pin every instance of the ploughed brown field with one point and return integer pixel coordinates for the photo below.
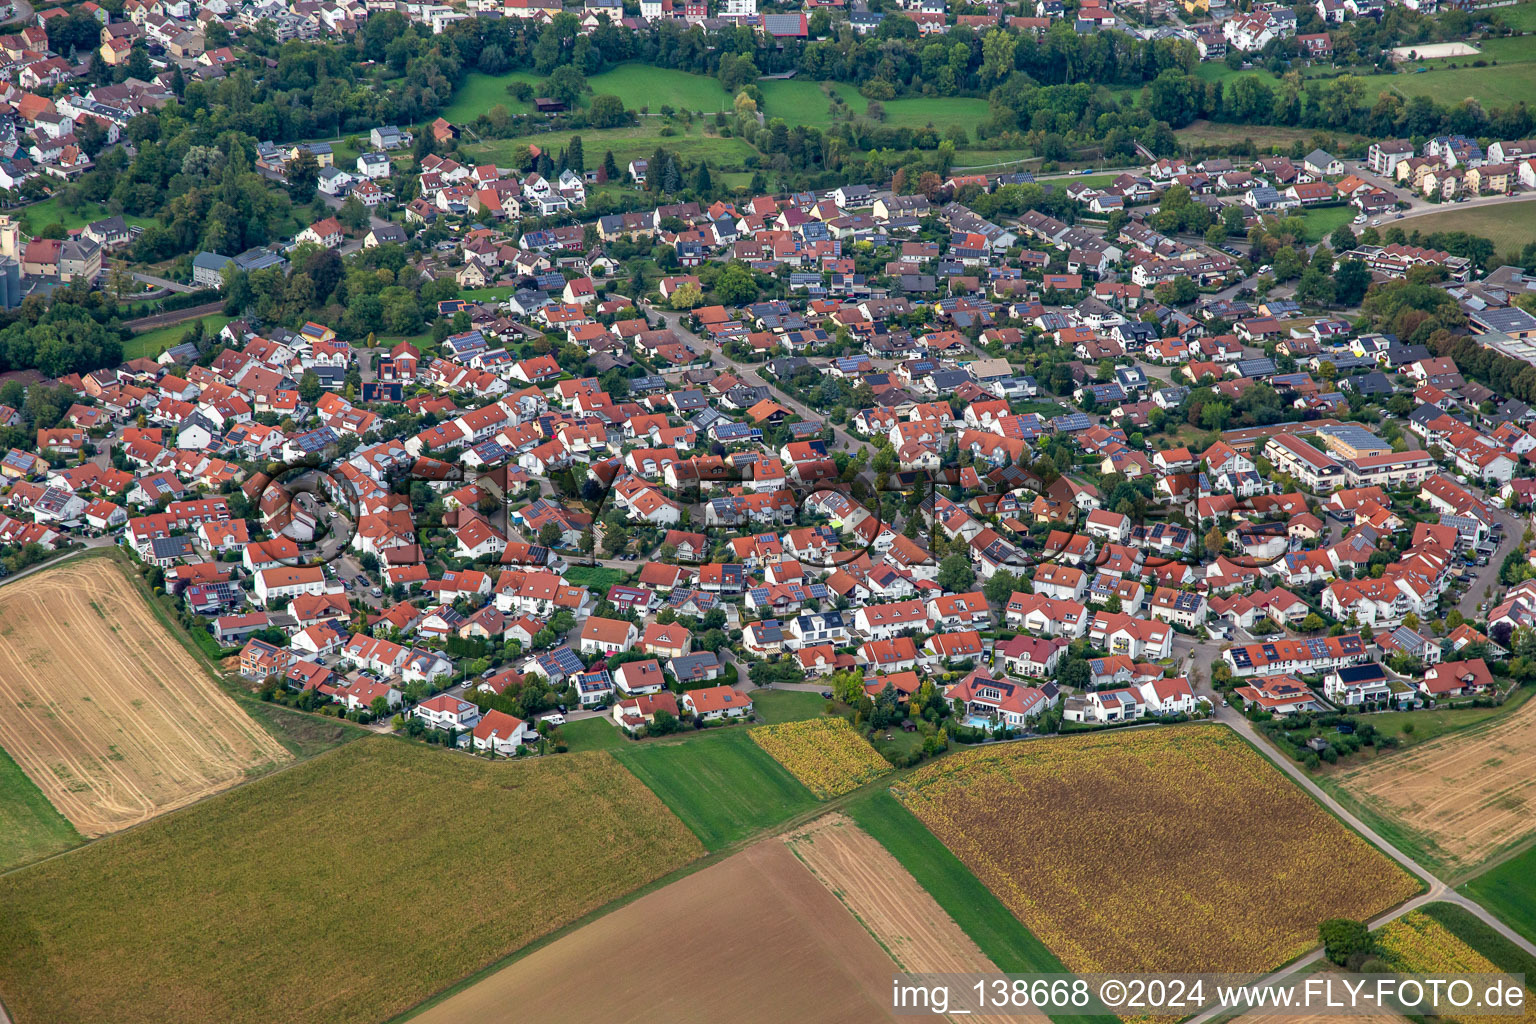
(105, 711)
(1468, 794)
(753, 938)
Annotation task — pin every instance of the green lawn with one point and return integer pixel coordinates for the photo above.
(798, 101)
(488, 294)
(1521, 17)
(50, 211)
(480, 92)
(1217, 71)
(774, 706)
(644, 85)
(1472, 930)
(592, 734)
(1001, 936)
(629, 143)
(1321, 221)
(722, 785)
(151, 343)
(1493, 87)
(29, 826)
(1430, 724)
(1509, 225)
(1509, 890)
(598, 577)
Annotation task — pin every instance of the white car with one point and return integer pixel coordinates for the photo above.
(555, 719)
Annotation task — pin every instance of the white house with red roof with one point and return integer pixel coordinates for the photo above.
(448, 712)
(502, 733)
(715, 703)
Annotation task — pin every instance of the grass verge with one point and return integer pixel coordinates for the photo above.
(30, 828)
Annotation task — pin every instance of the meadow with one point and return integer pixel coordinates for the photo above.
(632, 142)
(774, 706)
(480, 92)
(37, 216)
(825, 754)
(30, 828)
(721, 784)
(343, 890)
(1501, 86)
(151, 343)
(1051, 826)
(1510, 226)
(1509, 890)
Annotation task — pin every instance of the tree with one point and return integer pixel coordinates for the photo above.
(566, 84)
(303, 175)
(309, 387)
(575, 155)
(686, 296)
(736, 286)
(1350, 282)
(353, 214)
(1002, 586)
(1343, 938)
(610, 165)
(549, 535)
(1312, 623)
(1343, 239)
(955, 573)
(1214, 541)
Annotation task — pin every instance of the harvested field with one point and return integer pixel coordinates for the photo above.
(825, 754)
(911, 927)
(1233, 865)
(105, 710)
(1463, 797)
(753, 938)
(342, 890)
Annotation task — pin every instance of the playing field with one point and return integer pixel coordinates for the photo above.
(1462, 798)
(105, 711)
(1053, 827)
(724, 786)
(342, 890)
(753, 938)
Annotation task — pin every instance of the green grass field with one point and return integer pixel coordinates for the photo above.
(598, 577)
(480, 92)
(798, 101)
(1521, 17)
(628, 143)
(592, 734)
(1494, 87)
(1509, 890)
(151, 343)
(1320, 222)
(30, 828)
(1433, 723)
(1469, 928)
(343, 890)
(1001, 936)
(1510, 226)
(50, 211)
(722, 785)
(774, 706)
(644, 85)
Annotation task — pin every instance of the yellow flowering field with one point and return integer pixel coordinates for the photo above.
(825, 754)
(1172, 849)
(1418, 944)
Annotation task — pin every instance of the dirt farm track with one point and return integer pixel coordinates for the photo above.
(104, 710)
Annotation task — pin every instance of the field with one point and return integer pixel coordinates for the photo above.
(753, 938)
(628, 143)
(480, 92)
(1521, 16)
(343, 890)
(1320, 223)
(1419, 944)
(1510, 226)
(774, 706)
(592, 734)
(1481, 936)
(50, 211)
(106, 711)
(1051, 827)
(644, 85)
(1509, 890)
(825, 754)
(723, 786)
(1499, 87)
(1261, 135)
(29, 826)
(1460, 799)
(906, 921)
(151, 343)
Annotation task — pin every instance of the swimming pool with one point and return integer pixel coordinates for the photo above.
(977, 722)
